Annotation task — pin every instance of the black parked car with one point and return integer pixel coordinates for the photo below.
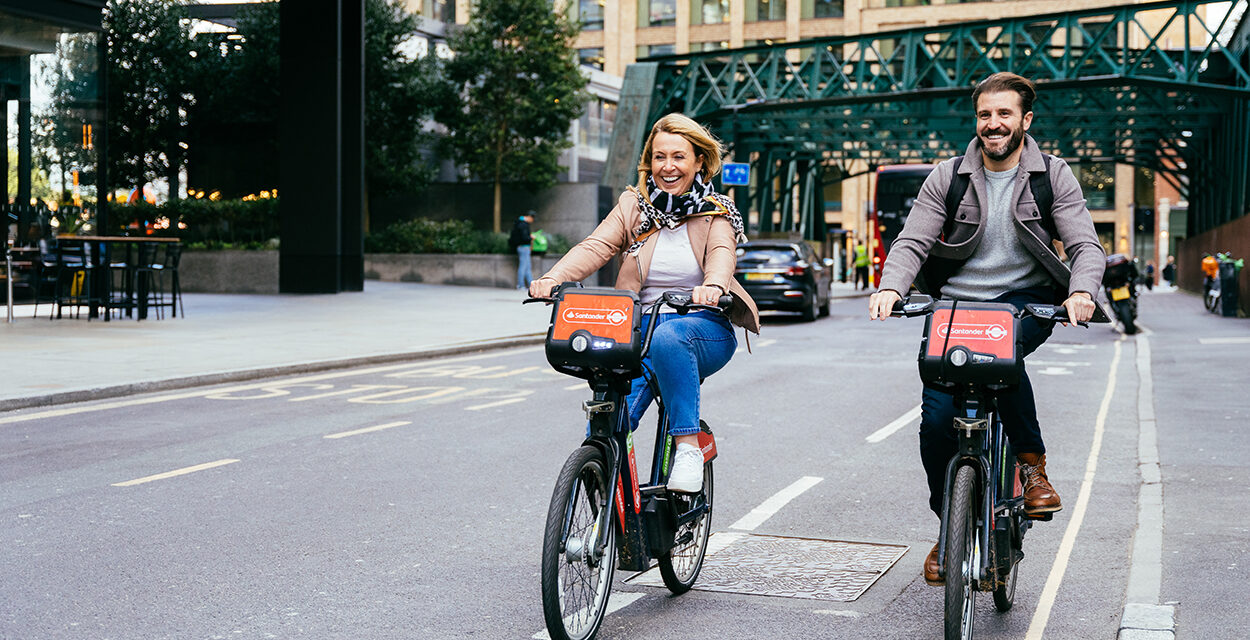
(785, 276)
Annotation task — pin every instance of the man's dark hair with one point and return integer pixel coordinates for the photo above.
(1007, 81)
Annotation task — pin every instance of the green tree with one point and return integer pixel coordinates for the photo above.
(149, 71)
(60, 133)
(401, 92)
(518, 89)
(40, 188)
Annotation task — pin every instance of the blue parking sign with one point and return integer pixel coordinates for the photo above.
(736, 174)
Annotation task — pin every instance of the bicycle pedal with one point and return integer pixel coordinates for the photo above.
(1043, 517)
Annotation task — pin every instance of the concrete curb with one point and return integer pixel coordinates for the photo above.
(242, 375)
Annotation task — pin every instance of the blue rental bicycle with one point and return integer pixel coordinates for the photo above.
(969, 350)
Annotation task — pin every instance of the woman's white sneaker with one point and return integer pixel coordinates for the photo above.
(687, 473)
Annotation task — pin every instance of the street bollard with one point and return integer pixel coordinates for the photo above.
(8, 279)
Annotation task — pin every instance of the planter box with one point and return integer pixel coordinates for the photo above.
(257, 271)
(229, 271)
(478, 270)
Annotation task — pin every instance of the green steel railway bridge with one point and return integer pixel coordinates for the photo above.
(1121, 84)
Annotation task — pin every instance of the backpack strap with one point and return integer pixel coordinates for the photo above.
(1045, 197)
(954, 194)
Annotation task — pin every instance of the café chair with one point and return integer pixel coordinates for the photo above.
(75, 269)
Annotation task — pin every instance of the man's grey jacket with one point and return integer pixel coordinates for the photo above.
(920, 236)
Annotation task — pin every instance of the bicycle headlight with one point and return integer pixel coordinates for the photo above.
(958, 357)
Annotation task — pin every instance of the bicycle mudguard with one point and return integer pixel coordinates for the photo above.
(707, 442)
(595, 329)
(970, 342)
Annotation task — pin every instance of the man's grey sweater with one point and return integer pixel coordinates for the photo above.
(1000, 263)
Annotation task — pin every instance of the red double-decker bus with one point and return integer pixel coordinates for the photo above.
(896, 191)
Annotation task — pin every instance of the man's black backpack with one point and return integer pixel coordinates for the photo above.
(936, 271)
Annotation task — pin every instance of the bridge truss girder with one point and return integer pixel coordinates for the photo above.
(1109, 90)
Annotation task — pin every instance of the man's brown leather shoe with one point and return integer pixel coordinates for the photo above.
(1039, 496)
(931, 575)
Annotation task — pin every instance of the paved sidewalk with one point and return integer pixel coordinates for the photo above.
(227, 338)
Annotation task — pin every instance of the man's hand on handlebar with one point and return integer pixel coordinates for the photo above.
(1080, 306)
(542, 287)
(882, 303)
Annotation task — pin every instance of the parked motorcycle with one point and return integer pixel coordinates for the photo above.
(1119, 281)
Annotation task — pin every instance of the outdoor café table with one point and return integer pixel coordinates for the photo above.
(102, 282)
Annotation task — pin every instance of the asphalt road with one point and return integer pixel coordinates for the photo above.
(407, 500)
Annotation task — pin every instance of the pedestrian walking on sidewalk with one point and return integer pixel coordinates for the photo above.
(519, 242)
(675, 232)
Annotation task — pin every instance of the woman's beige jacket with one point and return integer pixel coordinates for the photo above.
(711, 237)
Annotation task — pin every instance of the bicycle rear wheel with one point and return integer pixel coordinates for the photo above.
(961, 556)
(576, 580)
(1212, 300)
(1007, 547)
(681, 565)
(1005, 591)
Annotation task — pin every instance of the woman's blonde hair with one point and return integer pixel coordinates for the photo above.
(705, 145)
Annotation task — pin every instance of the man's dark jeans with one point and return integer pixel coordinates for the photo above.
(938, 440)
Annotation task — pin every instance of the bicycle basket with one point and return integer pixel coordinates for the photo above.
(595, 329)
(970, 343)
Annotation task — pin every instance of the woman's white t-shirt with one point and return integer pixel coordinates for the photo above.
(673, 266)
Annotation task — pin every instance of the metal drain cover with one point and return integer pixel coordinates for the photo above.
(788, 567)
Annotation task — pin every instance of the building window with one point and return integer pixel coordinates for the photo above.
(595, 126)
(709, 11)
(589, 13)
(591, 58)
(709, 46)
(1098, 184)
(907, 3)
(656, 50)
(657, 13)
(764, 10)
(822, 9)
(441, 10)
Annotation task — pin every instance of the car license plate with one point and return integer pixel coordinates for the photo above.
(759, 276)
(1120, 293)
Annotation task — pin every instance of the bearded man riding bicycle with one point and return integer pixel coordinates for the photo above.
(997, 245)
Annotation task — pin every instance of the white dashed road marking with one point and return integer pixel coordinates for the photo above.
(177, 472)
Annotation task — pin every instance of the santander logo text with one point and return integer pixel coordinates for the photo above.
(991, 332)
(614, 317)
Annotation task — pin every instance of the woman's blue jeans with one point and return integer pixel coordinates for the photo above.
(684, 350)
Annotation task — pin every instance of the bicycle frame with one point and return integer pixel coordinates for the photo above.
(646, 527)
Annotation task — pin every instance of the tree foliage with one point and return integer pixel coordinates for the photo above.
(149, 73)
(402, 91)
(518, 88)
(59, 135)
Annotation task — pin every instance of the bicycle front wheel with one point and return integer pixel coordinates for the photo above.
(681, 565)
(961, 556)
(576, 576)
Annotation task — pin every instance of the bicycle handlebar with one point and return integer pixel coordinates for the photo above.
(676, 299)
(922, 305)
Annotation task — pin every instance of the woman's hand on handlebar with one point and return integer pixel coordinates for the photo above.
(706, 294)
(1080, 306)
(881, 303)
(542, 287)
